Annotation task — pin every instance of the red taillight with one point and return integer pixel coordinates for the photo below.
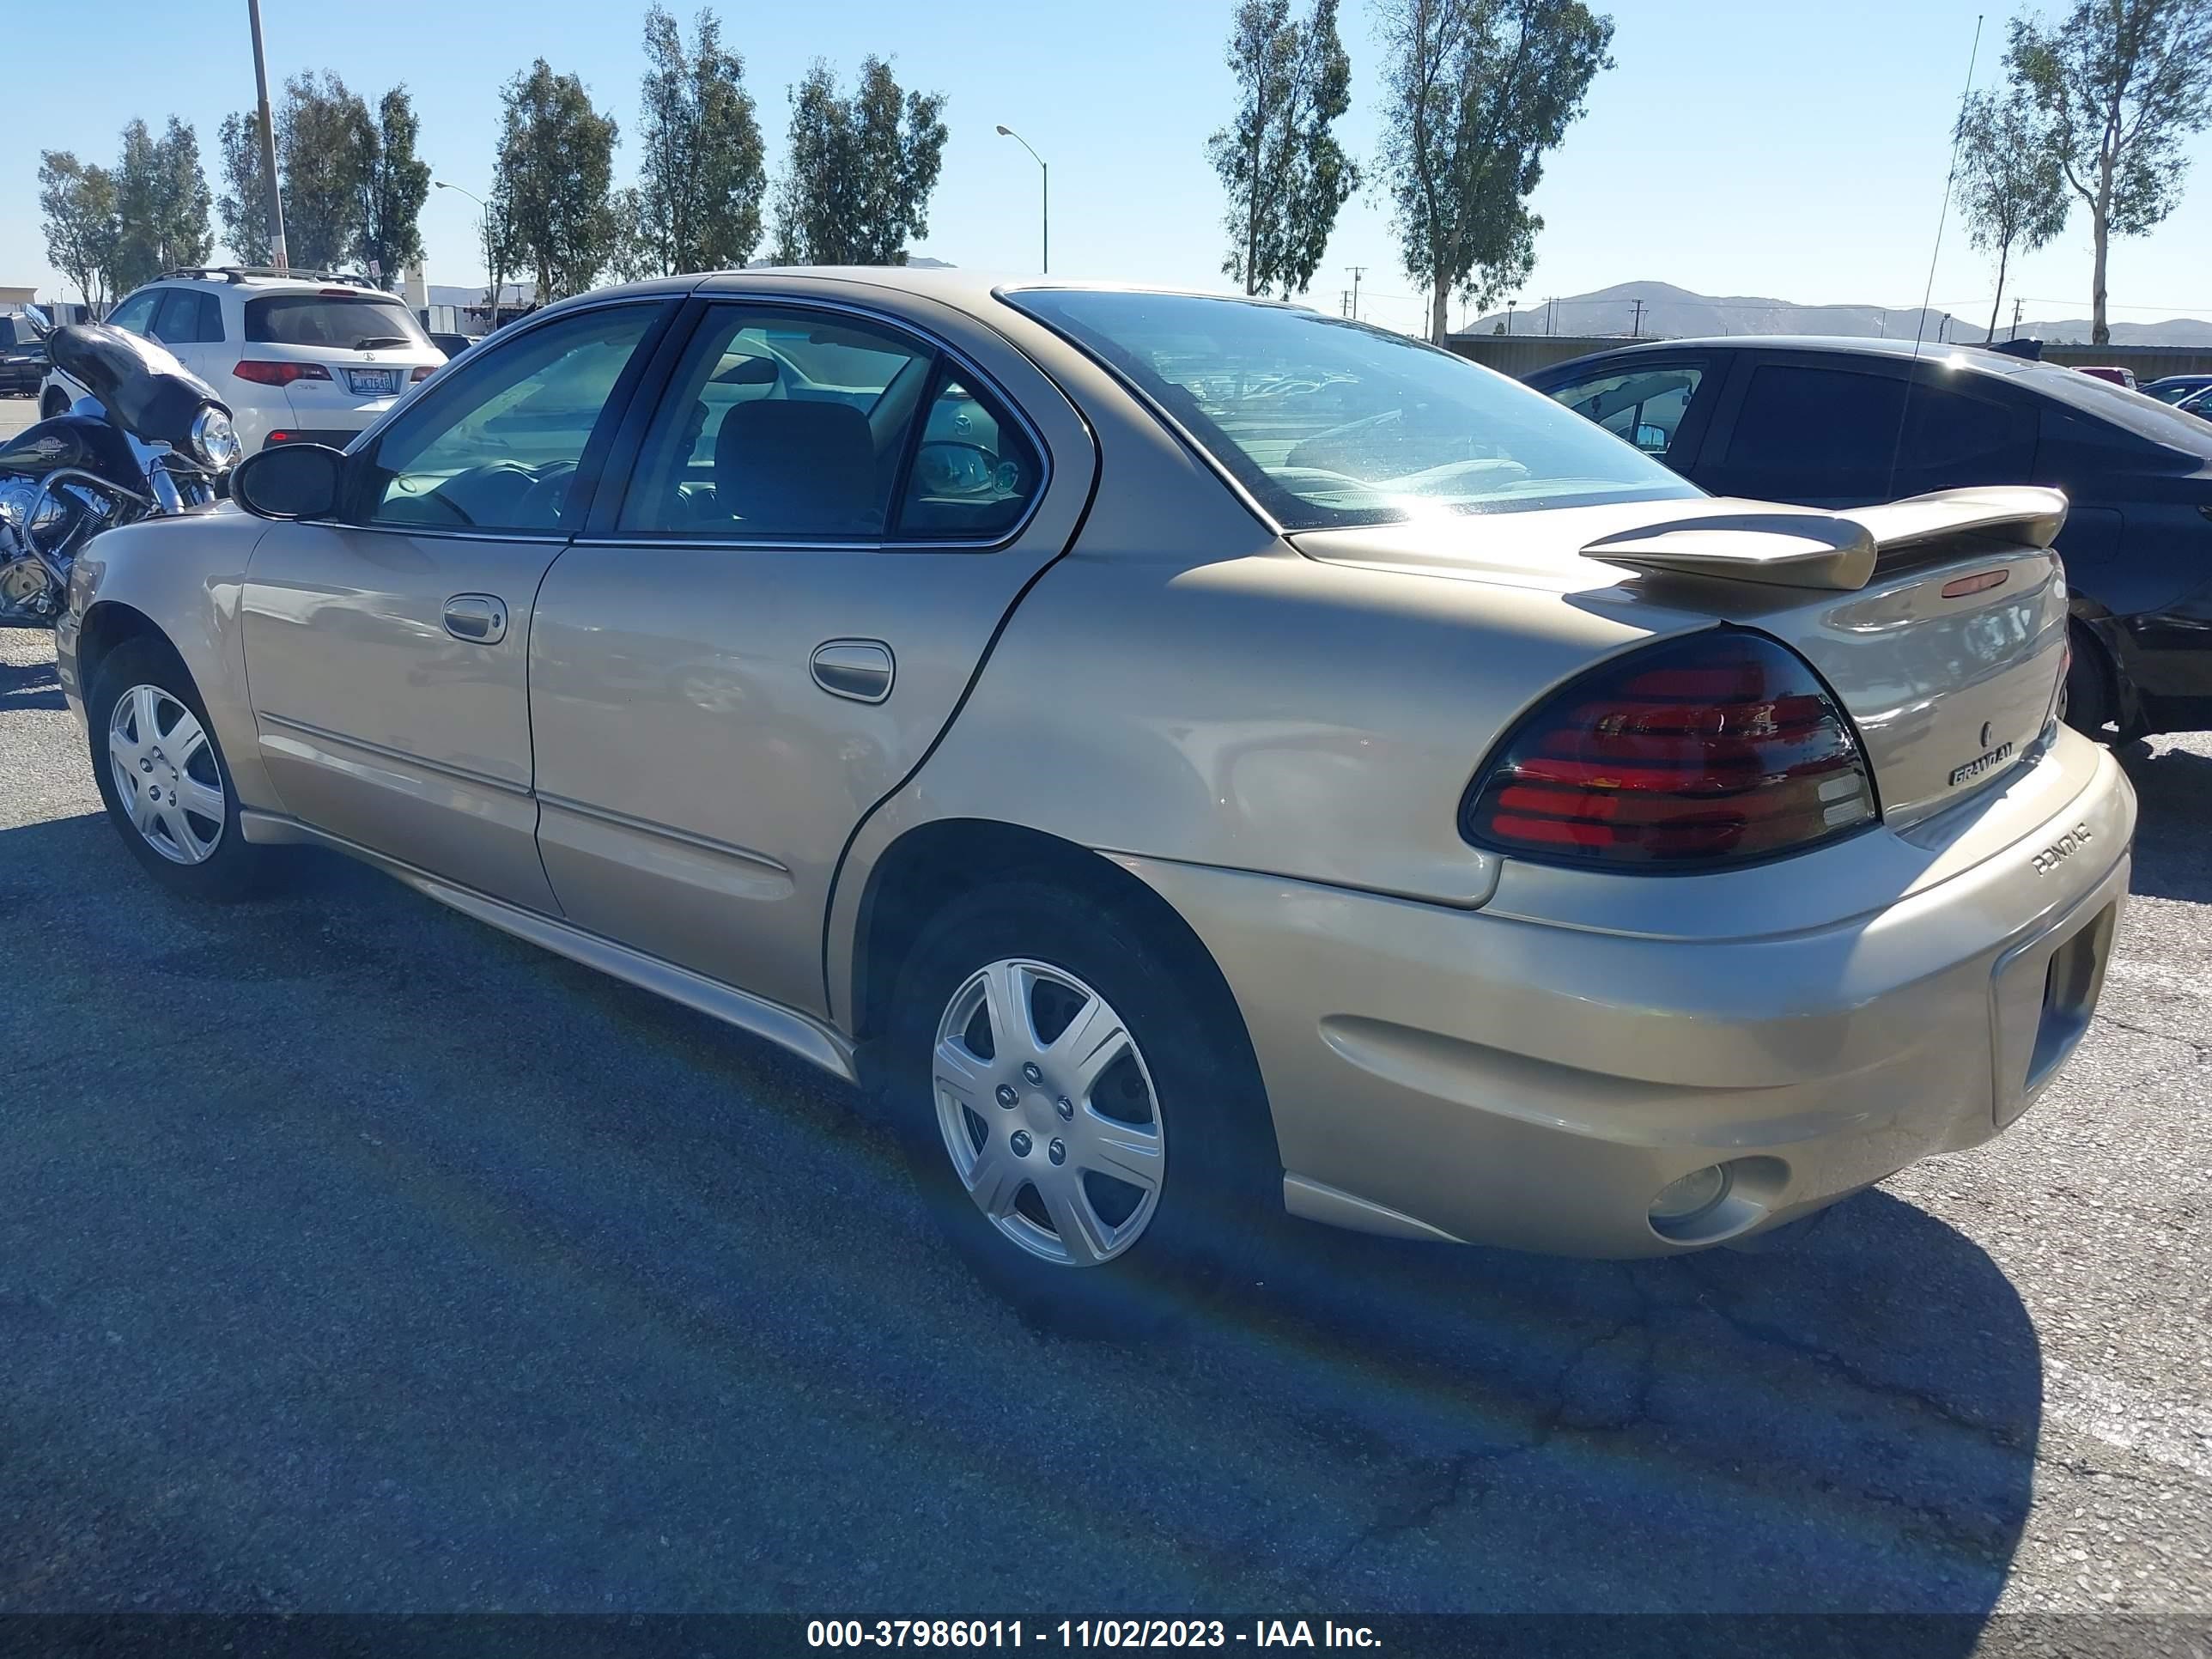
(265, 374)
(422, 372)
(1720, 747)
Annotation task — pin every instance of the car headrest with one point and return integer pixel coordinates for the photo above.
(797, 465)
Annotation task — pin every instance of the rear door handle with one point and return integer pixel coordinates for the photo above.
(858, 669)
(479, 618)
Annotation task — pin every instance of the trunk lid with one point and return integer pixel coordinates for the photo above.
(1939, 622)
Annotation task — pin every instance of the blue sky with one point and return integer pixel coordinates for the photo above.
(1747, 146)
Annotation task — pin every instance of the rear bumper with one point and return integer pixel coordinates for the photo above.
(1510, 1081)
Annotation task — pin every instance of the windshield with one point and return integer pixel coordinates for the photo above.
(1329, 422)
(346, 323)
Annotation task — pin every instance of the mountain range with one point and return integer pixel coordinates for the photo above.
(1668, 311)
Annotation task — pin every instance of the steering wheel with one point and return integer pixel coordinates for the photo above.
(973, 479)
(543, 503)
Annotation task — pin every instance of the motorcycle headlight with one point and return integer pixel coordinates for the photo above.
(214, 440)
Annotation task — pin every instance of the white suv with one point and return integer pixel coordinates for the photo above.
(298, 358)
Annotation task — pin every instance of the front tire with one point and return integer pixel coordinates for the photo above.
(1082, 1130)
(162, 776)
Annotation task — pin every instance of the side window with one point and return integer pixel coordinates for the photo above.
(1971, 440)
(135, 312)
(1644, 406)
(494, 446)
(1817, 423)
(184, 318)
(780, 425)
(973, 473)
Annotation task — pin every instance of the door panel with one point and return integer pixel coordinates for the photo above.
(698, 774)
(388, 658)
(377, 724)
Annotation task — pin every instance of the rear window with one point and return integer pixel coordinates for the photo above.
(346, 324)
(2133, 412)
(17, 331)
(1331, 422)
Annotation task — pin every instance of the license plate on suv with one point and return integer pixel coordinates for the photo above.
(373, 382)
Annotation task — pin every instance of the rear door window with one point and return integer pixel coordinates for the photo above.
(335, 322)
(779, 426)
(1847, 436)
(187, 317)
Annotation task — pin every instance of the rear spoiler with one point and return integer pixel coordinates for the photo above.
(1795, 547)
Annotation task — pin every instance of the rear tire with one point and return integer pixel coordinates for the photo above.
(2091, 702)
(163, 775)
(1030, 993)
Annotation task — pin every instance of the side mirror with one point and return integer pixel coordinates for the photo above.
(289, 481)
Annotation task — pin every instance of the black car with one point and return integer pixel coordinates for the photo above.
(23, 360)
(1841, 424)
(453, 344)
(2177, 388)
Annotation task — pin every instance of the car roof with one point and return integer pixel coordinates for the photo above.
(1974, 357)
(258, 284)
(978, 291)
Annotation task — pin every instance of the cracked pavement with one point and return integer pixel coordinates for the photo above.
(355, 1257)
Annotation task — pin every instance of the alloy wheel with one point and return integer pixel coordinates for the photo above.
(1049, 1113)
(165, 775)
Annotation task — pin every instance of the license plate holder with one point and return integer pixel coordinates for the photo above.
(373, 382)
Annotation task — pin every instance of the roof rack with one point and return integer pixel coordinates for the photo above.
(241, 273)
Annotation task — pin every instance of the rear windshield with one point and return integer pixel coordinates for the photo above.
(17, 331)
(346, 324)
(1331, 422)
(2133, 412)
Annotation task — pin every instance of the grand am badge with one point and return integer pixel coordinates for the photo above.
(1988, 761)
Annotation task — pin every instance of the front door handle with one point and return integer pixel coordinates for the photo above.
(479, 618)
(858, 669)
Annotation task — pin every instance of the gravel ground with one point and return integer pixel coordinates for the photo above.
(355, 1257)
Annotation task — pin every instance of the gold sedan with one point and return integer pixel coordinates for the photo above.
(1188, 756)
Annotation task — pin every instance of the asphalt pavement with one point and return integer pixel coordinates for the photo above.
(354, 1256)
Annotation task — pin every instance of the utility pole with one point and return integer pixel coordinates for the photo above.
(2015, 318)
(1636, 325)
(1509, 304)
(1357, 271)
(1344, 302)
(1550, 305)
(268, 143)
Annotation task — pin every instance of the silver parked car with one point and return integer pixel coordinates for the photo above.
(1190, 757)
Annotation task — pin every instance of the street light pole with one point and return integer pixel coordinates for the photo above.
(1044, 175)
(491, 276)
(268, 143)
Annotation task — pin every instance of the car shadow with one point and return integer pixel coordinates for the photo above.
(29, 685)
(2173, 798)
(410, 1212)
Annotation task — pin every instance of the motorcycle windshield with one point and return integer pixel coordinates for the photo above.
(144, 390)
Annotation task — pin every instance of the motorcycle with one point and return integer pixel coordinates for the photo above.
(150, 441)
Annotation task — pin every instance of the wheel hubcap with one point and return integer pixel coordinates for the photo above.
(165, 775)
(1049, 1113)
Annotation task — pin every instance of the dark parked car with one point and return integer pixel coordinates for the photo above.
(453, 344)
(1844, 423)
(2173, 388)
(23, 360)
